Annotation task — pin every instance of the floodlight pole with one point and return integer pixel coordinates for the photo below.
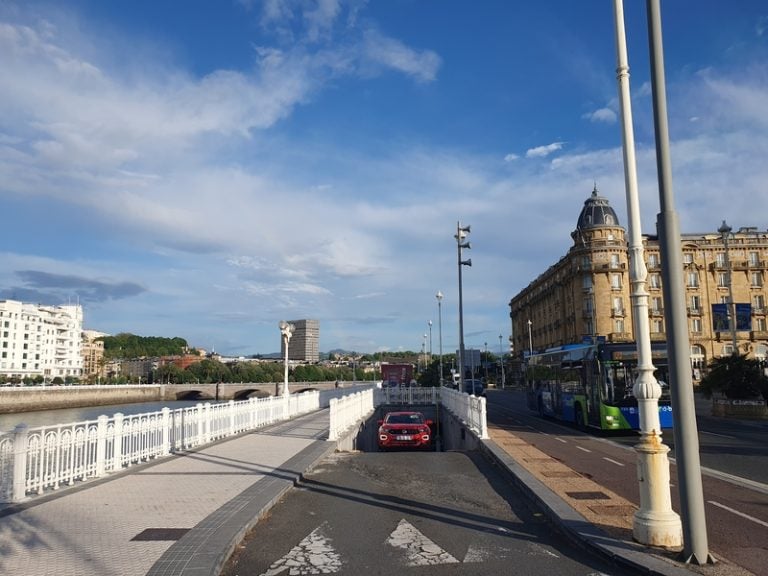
(439, 297)
(655, 523)
(678, 346)
(461, 234)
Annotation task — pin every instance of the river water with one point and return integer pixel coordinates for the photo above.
(67, 415)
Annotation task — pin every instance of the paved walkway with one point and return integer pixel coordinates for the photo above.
(184, 515)
(179, 515)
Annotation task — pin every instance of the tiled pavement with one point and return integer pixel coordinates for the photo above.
(179, 515)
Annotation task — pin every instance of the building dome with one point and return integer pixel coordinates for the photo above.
(596, 212)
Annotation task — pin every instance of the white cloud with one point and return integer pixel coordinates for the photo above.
(422, 65)
(511, 157)
(604, 115)
(543, 151)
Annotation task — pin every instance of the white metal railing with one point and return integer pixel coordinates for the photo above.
(33, 460)
(407, 395)
(468, 409)
(348, 411)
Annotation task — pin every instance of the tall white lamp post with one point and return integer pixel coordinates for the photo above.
(655, 523)
(461, 235)
(725, 232)
(530, 338)
(430, 342)
(439, 297)
(501, 362)
(286, 329)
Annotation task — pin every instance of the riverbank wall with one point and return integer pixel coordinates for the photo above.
(32, 398)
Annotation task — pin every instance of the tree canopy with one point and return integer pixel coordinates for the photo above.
(127, 345)
(736, 377)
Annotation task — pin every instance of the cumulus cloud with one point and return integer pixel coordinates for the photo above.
(604, 115)
(543, 151)
(511, 157)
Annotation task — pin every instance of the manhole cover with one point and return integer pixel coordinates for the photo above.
(160, 534)
(588, 495)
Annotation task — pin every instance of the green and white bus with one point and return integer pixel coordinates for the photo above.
(590, 385)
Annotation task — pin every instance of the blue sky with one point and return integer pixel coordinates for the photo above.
(205, 168)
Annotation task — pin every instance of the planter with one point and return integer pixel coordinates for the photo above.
(744, 409)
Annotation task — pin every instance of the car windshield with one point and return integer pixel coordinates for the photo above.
(405, 419)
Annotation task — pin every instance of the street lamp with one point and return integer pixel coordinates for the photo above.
(286, 329)
(654, 523)
(430, 341)
(725, 232)
(501, 362)
(461, 234)
(485, 364)
(439, 297)
(530, 338)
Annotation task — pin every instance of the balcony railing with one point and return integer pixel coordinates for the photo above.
(694, 311)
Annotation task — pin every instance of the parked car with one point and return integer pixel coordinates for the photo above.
(475, 387)
(405, 430)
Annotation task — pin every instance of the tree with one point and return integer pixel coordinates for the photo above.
(736, 377)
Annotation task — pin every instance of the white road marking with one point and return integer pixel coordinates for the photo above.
(313, 555)
(613, 461)
(538, 550)
(718, 435)
(584, 449)
(419, 550)
(747, 516)
(561, 440)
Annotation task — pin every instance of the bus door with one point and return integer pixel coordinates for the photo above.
(593, 381)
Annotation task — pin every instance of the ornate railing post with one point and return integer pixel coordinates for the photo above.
(166, 431)
(101, 445)
(117, 449)
(20, 434)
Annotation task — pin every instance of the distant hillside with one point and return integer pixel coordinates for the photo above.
(132, 346)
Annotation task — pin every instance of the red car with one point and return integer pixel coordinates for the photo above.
(405, 430)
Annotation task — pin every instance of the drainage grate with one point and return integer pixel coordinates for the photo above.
(588, 495)
(160, 534)
(560, 474)
(618, 510)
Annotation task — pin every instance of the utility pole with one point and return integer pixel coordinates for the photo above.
(655, 523)
(695, 544)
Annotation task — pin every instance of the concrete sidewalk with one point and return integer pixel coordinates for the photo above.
(178, 515)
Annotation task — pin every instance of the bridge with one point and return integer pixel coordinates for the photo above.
(30, 398)
(238, 390)
(214, 493)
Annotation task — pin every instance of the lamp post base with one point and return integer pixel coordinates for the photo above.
(655, 523)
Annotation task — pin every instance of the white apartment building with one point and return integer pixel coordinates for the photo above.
(37, 340)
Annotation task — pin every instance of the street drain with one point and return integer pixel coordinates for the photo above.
(618, 510)
(160, 534)
(560, 474)
(588, 495)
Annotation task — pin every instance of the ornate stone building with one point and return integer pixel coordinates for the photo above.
(586, 294)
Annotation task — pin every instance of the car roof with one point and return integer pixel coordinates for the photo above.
(405, 412)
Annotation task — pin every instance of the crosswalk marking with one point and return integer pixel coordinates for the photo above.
(419, 550)
(313, 555)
